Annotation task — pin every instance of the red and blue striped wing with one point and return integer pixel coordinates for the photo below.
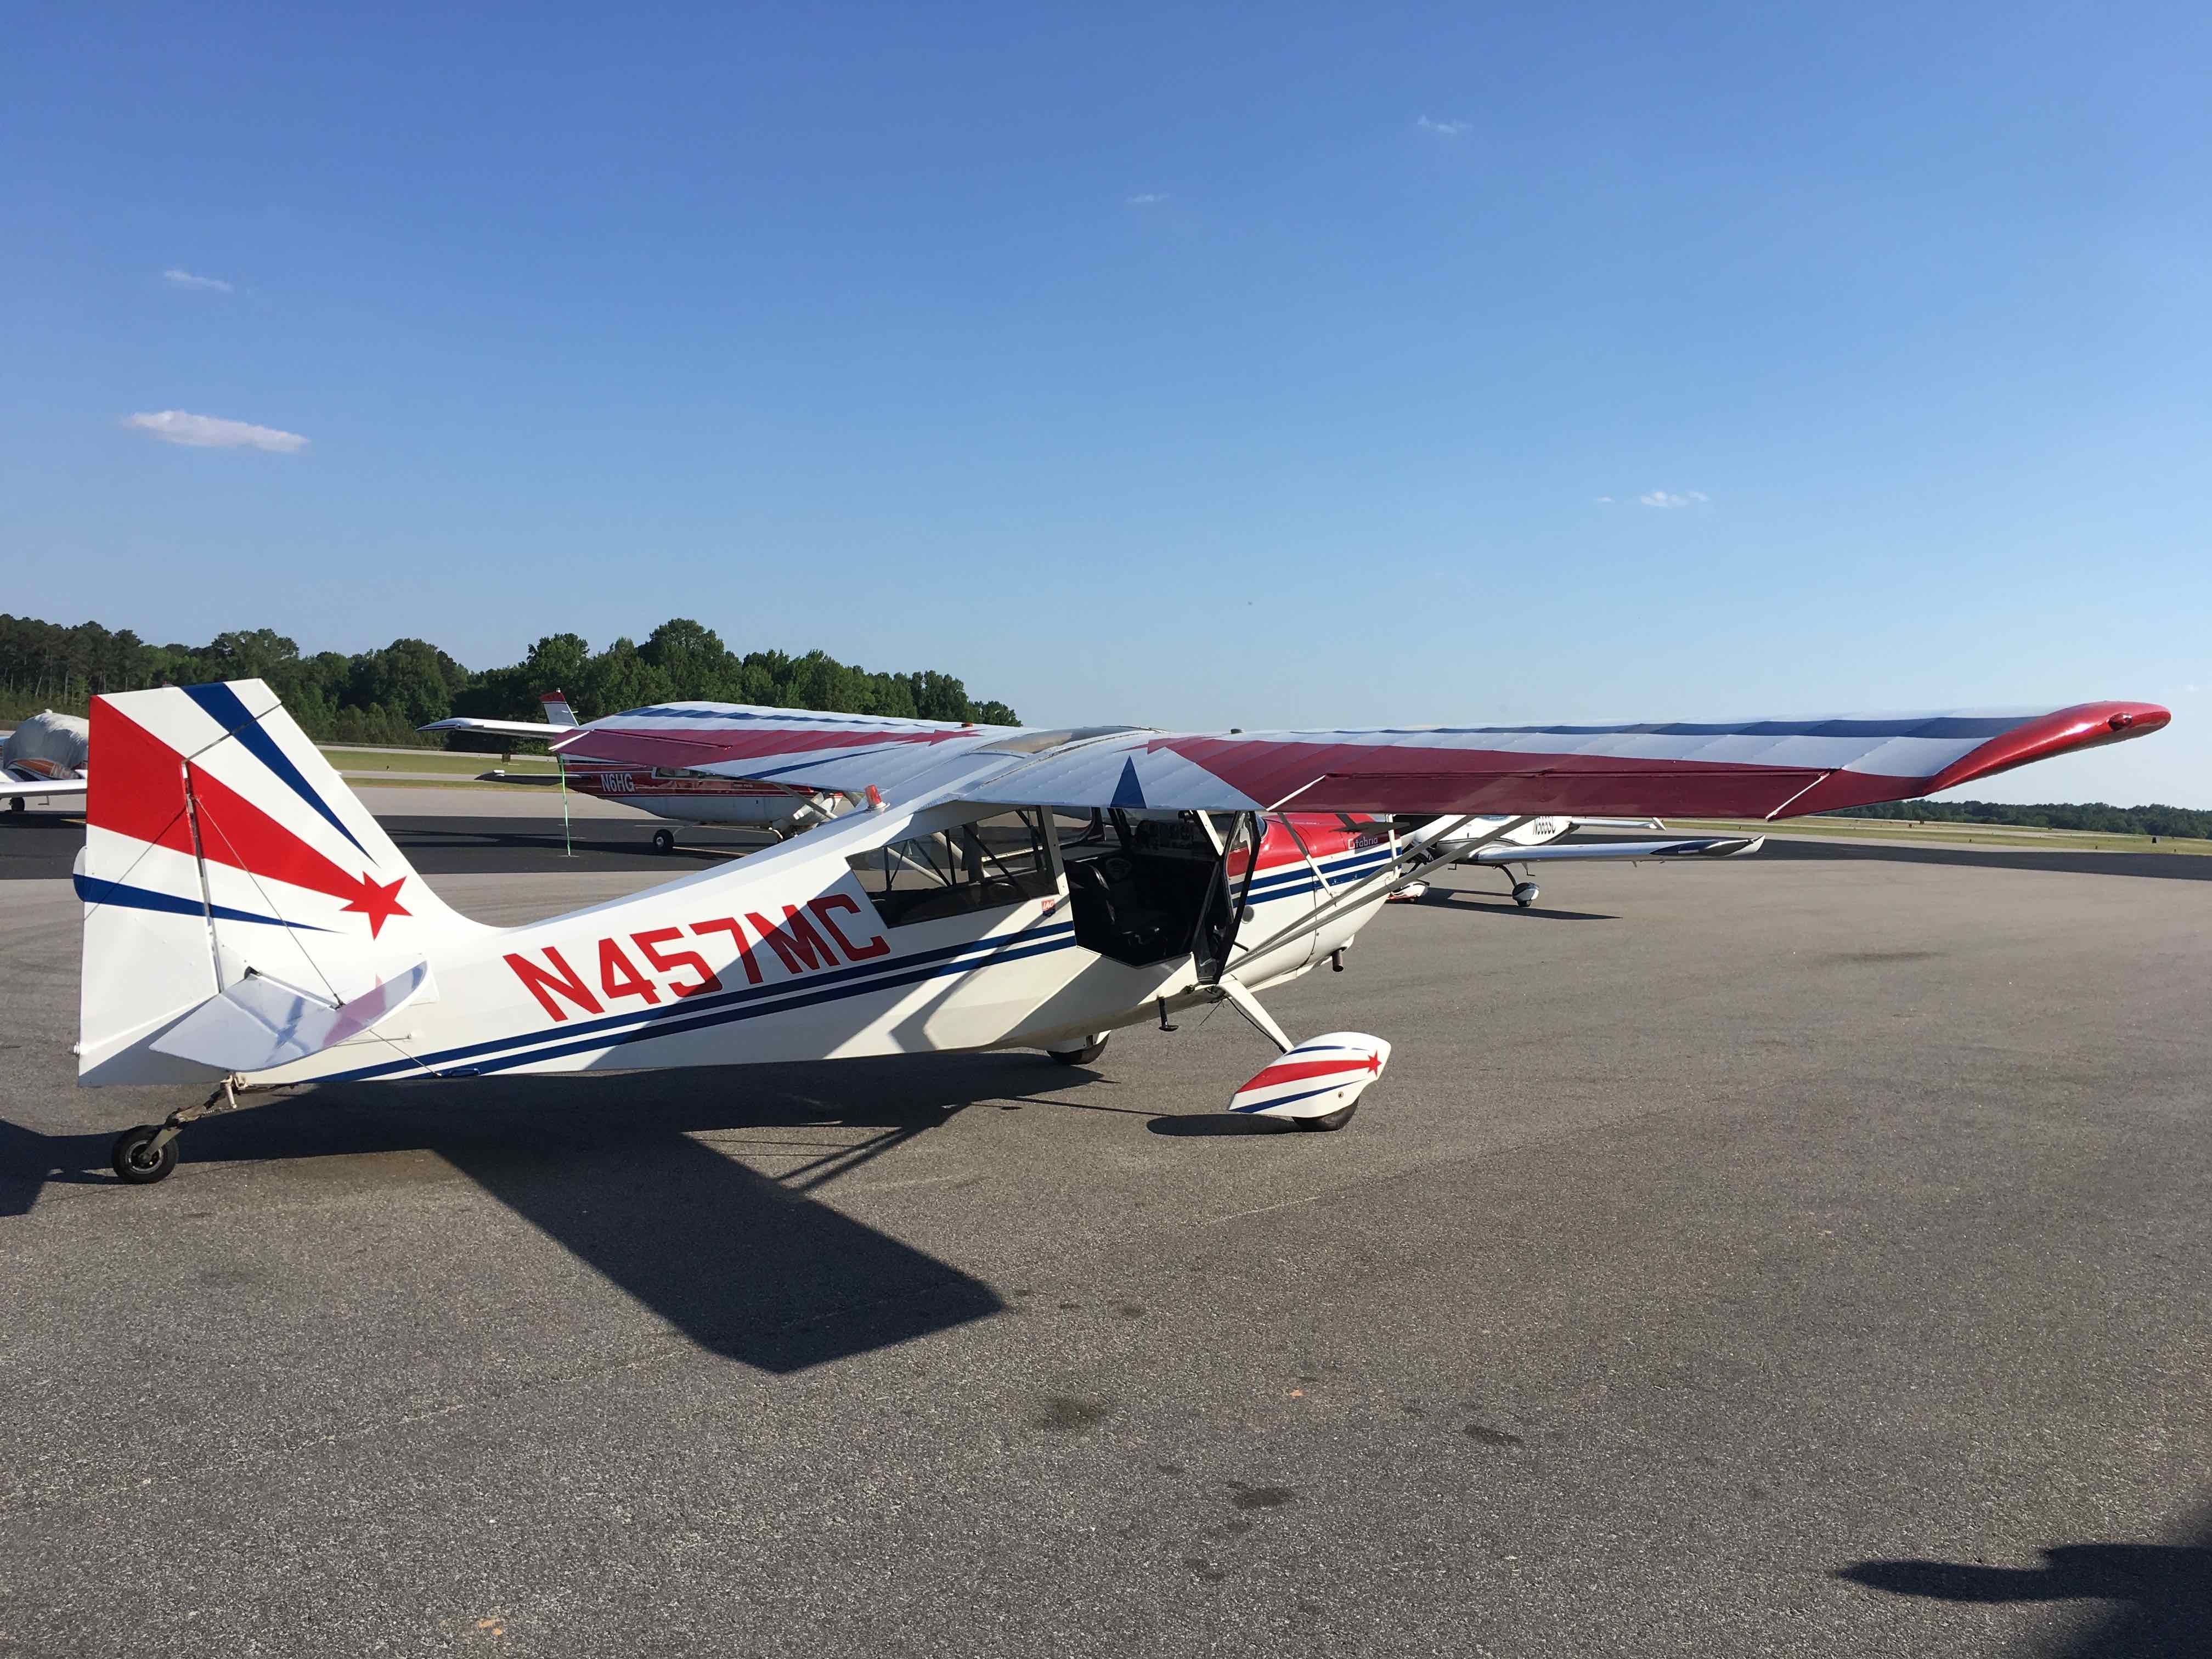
(1740, 768)
(1723, 769)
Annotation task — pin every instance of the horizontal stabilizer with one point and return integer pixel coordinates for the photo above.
(258, 1024)
(33, 789)
(1693, 847)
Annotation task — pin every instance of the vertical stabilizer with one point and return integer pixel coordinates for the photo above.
(218, 839)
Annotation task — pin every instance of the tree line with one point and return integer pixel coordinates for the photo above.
(380, 696)
(2094, 816)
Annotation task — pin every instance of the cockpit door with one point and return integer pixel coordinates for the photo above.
(1229, 901)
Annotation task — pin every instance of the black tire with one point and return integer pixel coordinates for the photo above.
(1083, 1056)
(1335, 1120)
(664, 841)
(137, 1161)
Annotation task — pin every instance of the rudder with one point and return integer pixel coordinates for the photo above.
(218, 839)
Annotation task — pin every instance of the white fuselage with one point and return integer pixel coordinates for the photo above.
(784, 956)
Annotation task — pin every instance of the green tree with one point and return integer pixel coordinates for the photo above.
(410, 680)
(556, 663)
(691, 657)
(382, 697)
(619, 679)
(251, 653)
(939, 697)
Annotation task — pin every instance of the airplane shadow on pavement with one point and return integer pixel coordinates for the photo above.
(1460, 898)
(747, 1265)
(2164, 1591)
(1217, 1123)
(30, 1161)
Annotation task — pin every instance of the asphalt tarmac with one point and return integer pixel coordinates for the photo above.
(1778, 1257)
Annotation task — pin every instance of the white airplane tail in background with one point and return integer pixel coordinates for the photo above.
(557, 712)
(226, 868)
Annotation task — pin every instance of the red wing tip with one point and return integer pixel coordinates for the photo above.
(2084, 725)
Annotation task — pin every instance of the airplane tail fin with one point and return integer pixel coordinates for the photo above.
(220, 847)
(557, 712)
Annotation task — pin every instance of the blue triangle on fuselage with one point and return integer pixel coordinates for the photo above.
(1129, 792)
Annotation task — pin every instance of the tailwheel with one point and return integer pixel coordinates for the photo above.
(664, 841)
(144, 1155)
(1083, 1054)
(1335, 1120)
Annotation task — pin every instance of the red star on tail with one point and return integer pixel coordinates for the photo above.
(379, 902)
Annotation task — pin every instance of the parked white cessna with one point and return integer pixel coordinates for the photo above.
(682, 793)
(248, 924)
(1501, 843)
(43, 759)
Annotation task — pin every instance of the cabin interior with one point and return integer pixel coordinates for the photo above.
(1143, 887)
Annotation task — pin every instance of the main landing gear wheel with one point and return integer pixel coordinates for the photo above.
(1335, 1120)
(1524, 893)
(1083, 1055)
(138, 1160)
(664, 841)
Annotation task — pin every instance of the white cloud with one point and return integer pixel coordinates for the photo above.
(1605, 501)
(1443, 129)
(1668, 498)
(176, 278)
(1149, 198)
(173, 426)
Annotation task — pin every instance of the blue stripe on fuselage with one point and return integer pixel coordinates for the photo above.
(693, 1012)
(729, 1015)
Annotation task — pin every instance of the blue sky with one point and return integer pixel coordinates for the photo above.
(1214, 368)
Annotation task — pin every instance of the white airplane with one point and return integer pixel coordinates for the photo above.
(1500, 842)
(43, 759)
(248, 924)
(600, 760)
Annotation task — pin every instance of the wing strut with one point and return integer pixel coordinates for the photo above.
(1258, 1017)
(1411, 855)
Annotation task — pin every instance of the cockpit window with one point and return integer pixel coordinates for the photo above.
(987, 864)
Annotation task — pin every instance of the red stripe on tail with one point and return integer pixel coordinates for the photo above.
(138, 790)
